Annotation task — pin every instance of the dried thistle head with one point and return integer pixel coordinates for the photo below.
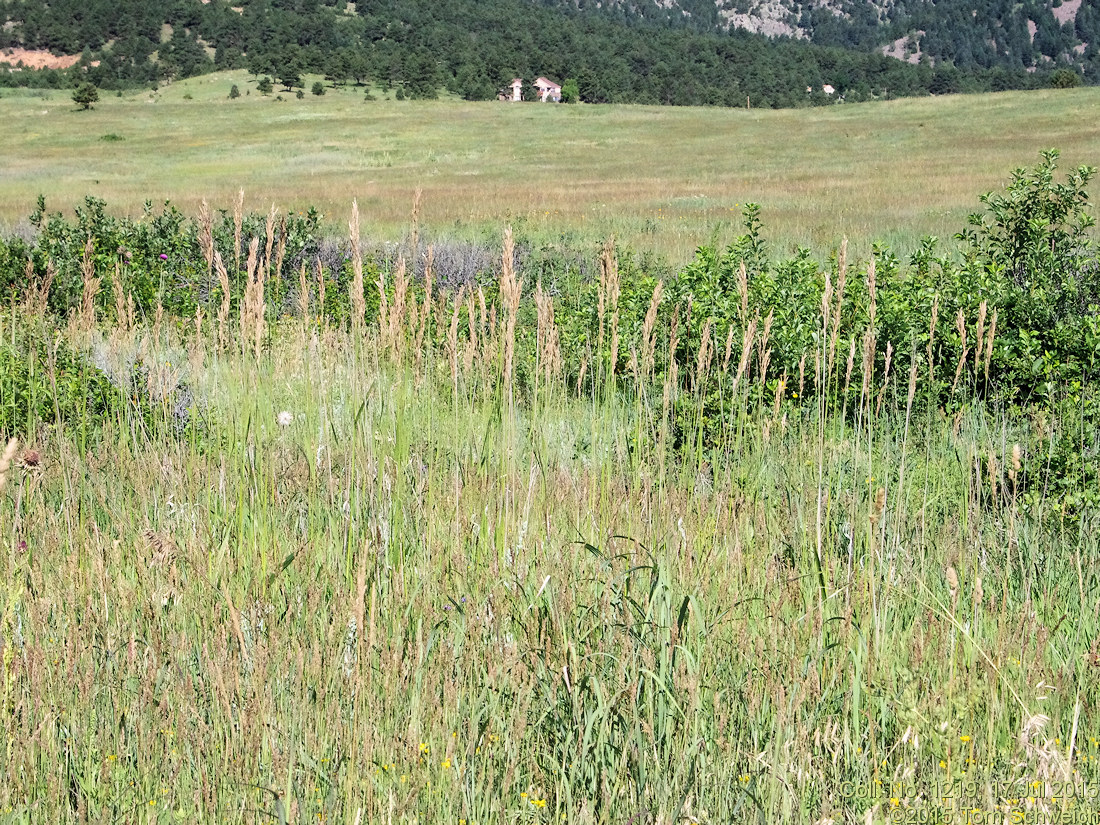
(952, 582)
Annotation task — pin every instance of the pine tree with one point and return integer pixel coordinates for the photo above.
(85, 95)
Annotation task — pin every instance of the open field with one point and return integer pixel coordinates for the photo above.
(662, 179)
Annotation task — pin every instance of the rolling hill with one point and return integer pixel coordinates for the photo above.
(692, 52)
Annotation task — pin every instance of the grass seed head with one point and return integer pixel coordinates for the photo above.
(6, 459)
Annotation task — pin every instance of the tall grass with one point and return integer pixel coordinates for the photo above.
(435, 593)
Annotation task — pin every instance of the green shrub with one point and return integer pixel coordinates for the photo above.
(45, 382)
(85, 95)
(1065, 79)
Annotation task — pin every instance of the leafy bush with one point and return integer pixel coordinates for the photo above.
(44, 382)
(1028, 261)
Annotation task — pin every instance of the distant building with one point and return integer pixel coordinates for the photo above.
(548, 90)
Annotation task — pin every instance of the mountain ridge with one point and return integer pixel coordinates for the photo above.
(1030, 35)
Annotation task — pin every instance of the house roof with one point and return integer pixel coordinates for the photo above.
(542, 81)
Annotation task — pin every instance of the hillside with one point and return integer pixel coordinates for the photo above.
(472, 48)
(995, 33)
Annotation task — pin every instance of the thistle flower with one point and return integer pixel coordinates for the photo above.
(284, 418)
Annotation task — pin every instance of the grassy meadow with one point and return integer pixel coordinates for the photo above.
(659, 179)
(403, 567)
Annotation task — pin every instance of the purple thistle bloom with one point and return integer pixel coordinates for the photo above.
(163, 257)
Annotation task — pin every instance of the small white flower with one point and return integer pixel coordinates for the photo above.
(284, 418)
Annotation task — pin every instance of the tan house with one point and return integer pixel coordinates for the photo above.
(545, 89)
(548, 90)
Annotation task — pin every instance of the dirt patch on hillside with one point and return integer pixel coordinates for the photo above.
(905, 48)
(38, 59)
(1067, 12)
